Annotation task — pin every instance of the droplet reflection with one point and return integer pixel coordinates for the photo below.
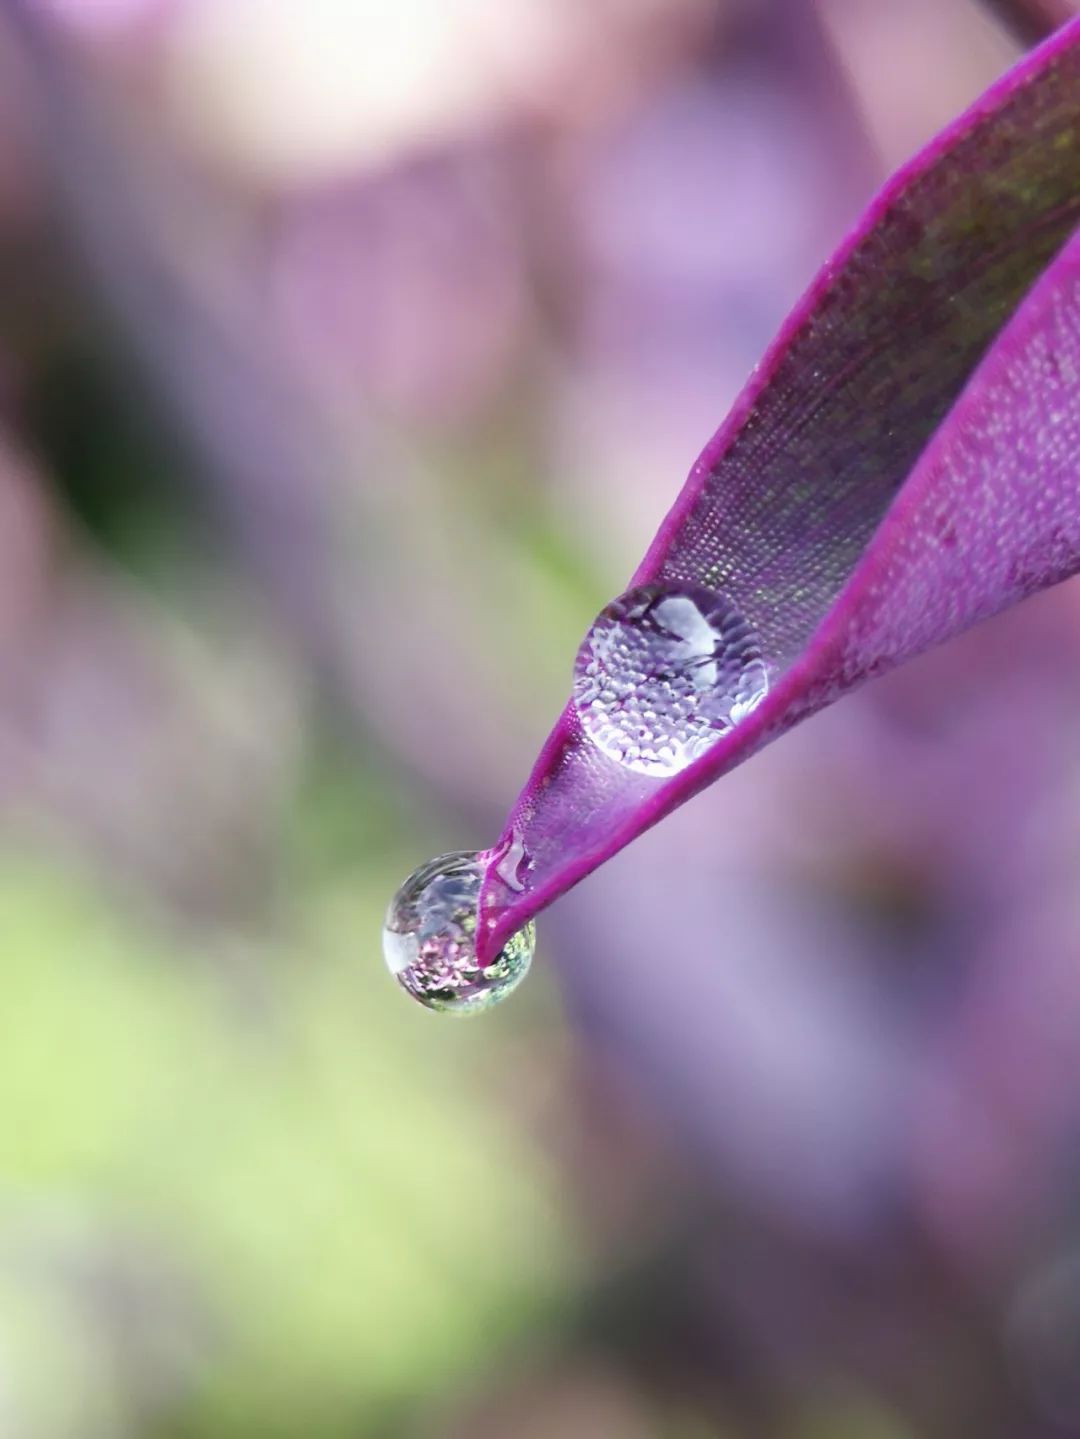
(429, 939)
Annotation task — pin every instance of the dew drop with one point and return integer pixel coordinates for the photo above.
(663, 672)
(428, 939)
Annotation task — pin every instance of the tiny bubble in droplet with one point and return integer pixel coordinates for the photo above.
(512, 861)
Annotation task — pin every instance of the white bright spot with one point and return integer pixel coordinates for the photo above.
(298, 91)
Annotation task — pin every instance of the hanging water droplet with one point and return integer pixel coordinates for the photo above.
(428, 939)
(663, 672)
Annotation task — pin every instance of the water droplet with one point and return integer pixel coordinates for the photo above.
(663, 672)
(428, 939)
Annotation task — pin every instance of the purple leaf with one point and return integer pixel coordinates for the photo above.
(904, 462)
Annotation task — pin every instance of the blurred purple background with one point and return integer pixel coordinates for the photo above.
(349, 355)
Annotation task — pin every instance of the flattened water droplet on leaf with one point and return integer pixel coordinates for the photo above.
(429, 939)
(663, 672)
